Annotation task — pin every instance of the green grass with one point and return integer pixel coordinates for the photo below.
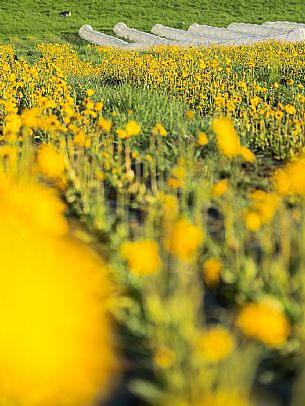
(30, 21)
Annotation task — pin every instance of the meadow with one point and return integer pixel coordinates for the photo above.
(152, 218)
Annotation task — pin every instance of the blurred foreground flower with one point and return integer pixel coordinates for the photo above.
(265, 322)
(216, 344)
(183, 239)
(220, 188)
(132, 128)
(164, 357)
(261, 210)
(50, 163)
(291, 179)
(202, 138)
(55, 336)
(211, 271)
(228, 141)
(159, 129)
(142, 256)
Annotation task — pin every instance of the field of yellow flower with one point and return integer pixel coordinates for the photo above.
(152, 226)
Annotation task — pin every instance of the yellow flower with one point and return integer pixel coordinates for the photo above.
(189, 114)
(164, 357)
(264, 204)
(247, 154)
(34, 208)
(178, 172)
(220, 188)
(227, 140)
(50, 162)
(53, 308)
(105, 125)
(177, 178)
(290, 109)
(100, 175)
(278, 115)
(90, 92)
(158, 129)
(142, 256)
(12, 126)
(253, 221)
(98, 106)
(291, 179)
(202, 138)
(170, 205)
(132, 128)
(122, 134)
(30, 118)
(211, 271)
(215, 344)
(183, 240)
(264, 321)
(174, 183)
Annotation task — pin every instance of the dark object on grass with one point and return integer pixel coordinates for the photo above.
(65, 13)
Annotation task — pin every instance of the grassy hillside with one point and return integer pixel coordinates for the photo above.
(39, 20)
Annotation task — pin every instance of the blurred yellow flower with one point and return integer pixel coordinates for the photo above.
(202, 138)
(291, 179)
(158, 129)
(50, 162)
(215, 344)
(178, 175)
(34, 208)
(227, 140)
(174, 183)
(189, 114)
(132, 128)
(264, 204)
(247, 154)
(98, 106)
(253, 221)
(81, 139)
(261, 210)
(122, 134)
(265, 322)
(99, 174)
(90, 92)
(30, 118)
(211, 271)
(164, 357)
(12, 127)
(105, 125)
(55, 336)
(179, 171)
(142, 256)
(290, 109)
(183, 240)
(170, 205)
(220, 188)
